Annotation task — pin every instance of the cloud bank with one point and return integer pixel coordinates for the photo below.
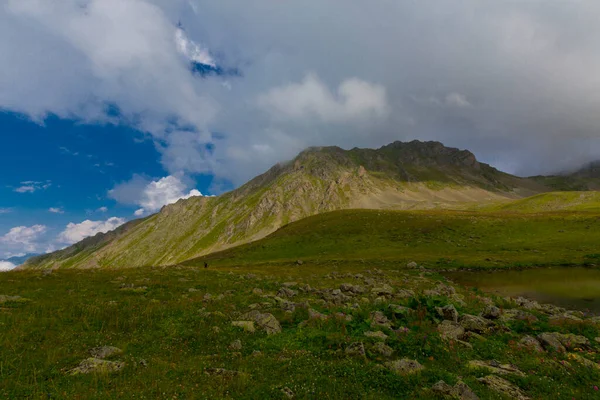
(514, 81)
(74, 233)
(6, 266)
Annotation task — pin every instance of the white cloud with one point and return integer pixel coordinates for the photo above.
(56, 210)
(5, 210)
(32, 186)
(191, 50)
(102, 209)
(74, 233)
(6, 266)
(151, 196)
(355, 99)
(22, 239)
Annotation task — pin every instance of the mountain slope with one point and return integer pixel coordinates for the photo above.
(415, 175)
(586, 178)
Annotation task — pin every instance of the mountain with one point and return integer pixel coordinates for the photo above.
(414, 175)
(21, 259)
(585, 178)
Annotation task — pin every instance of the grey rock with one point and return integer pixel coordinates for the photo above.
(382, 349)
(286, 293)
(448, 313)
(496, 368)
(491, 312)
(404, 366)
(474, 323)
(235, 345)
(376, 335)
(96, 365)
(531, 343)
(451, 330)
(503, 386)
(247, 326)
(105, 352)
(378, 319)
(356, 349)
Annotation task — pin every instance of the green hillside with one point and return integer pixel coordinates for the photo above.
(415, 175)
(436, 238)
(555, 201)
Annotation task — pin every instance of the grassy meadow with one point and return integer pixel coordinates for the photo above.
(174, 324)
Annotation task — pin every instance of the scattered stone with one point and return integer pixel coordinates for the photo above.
(314, 314)
(496, 368)
(412, 265)
(458, 299)
(96, 365)
(265, 321)
(356, 349)
(225, 373)
(377, 318)
(560, 341)
(531, 343)
(257, 291)
(383, 349)
(299, 262)
(290, 284)
(503, 386)
(515, 314)
(404, 366)
(474, 323)
(385, 290)
(528, 304)
(12, 299)
(235, 345)
(564, 318)
(376, 335)
(448, 313)
(491, 312)
(288, 306)
(459, 391)
(399, 311)
(104, 352)
(207, 297)
(287, 392)
(584, 361)
(193, 290)
(405, 294)
(351, 289)
(451, 330)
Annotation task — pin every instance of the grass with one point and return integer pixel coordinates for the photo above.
(171, 331)
(438, 239)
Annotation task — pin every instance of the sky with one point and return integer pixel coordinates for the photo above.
(110, 109)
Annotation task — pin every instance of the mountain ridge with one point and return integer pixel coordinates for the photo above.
(412, 175)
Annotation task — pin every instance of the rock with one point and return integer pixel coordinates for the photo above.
(356, 349)
(451, 330)
(564, 318)
(299, 262)
(235, 345)
(193, 290)
(515, 314)
(377, 318)
(288, 306)
(560, 342)
(404, 294)
(459, 391)
(104, 352)
(286, 292)
(458, 299)
(412, 265)
(584, 361)
(503, 386)
(531, 343)
(385, 290)
(266, 321)
(383, 349)
(404, 366)
(257, 291)
(527, 304)
(247, 326)
(352, 289)
(496, 368)
(287, 392)
(96, 365)
(376, 335)
(399, 311)
(314, 314)
(290, 284)
(216, 329)
(448, 313)
(446, 290)
(474, 323)
(491, 312)
(11, 299)
(225, 373)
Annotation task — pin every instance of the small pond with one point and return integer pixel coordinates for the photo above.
(571, 288)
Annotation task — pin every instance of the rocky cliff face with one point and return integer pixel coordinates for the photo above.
(399, 176)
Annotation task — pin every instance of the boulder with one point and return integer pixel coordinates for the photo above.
(451, 330)
(236, 345)
(247, 326)
(98, 366)
(377, 318)
(382, 349)
(531, 343)
(265, 321)
(384, 290)
(285, 292)
(474, 323)
(561, 341)
(459, 391)
(356, 349)
(105, 352)
(491, 312)
(404, 366)
(496, 368)
(448, 313)
(404, 294)
(503, 386)
(399, 311)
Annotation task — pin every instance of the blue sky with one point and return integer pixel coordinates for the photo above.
(133, 104)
